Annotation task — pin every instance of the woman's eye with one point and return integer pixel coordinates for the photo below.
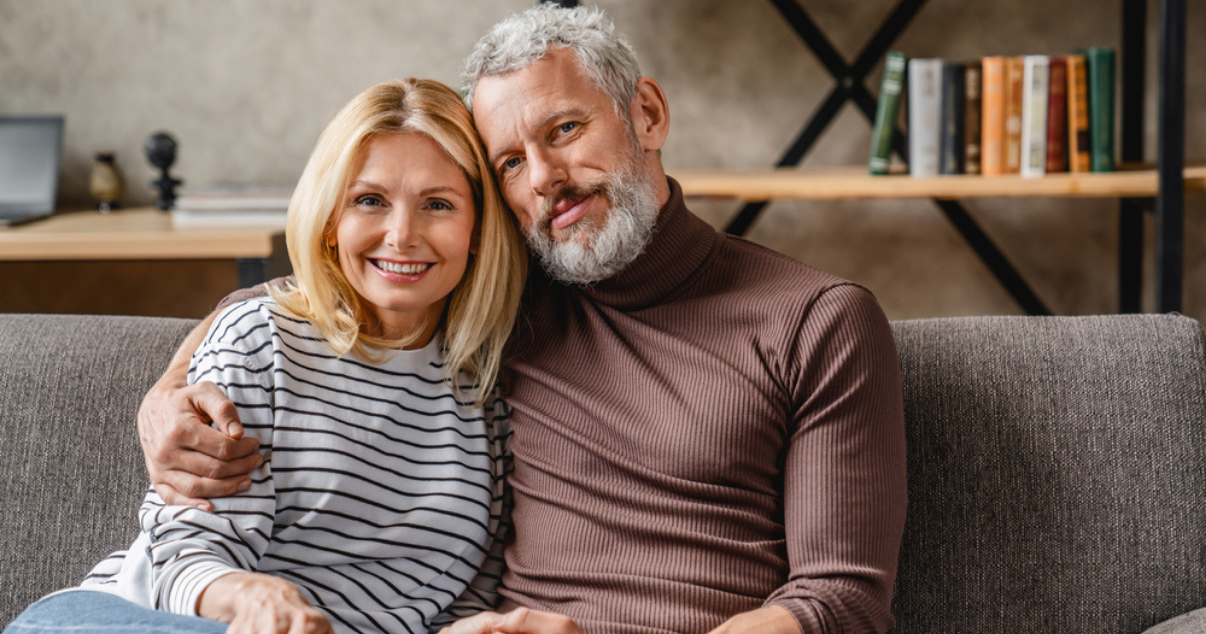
(368, 201)
(440, 205)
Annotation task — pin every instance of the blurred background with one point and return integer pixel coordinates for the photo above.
(245, 86)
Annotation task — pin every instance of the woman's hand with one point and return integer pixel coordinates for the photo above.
(254, 603)
(518, 621)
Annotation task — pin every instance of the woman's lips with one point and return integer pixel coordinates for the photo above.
(401, 270)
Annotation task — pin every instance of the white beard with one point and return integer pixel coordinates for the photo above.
(587, 253)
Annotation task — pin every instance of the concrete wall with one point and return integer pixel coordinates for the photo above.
(247, 85)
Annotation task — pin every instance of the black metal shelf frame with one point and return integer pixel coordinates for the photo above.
(1169, 201)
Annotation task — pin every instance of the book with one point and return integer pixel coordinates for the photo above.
(992, 116)
(1033, 143)
(925, 114)
(950, 148)
(1014, 83)
(232, 205)
(236, 197)
(1079, 140)
(972, 109)
(227, 218)
(1057, 115)
(1099, 68)
(886, 112)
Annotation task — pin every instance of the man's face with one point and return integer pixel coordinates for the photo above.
(568, 165)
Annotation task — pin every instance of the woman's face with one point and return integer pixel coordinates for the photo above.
(405, 231)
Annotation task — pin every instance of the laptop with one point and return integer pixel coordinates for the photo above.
(31, 148)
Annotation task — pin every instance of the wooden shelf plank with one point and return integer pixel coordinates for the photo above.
(854, 182)
(131, 234)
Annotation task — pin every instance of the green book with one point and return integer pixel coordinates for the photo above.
(886, 112)
(1099, 70)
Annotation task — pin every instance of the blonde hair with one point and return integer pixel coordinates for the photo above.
(482, 307)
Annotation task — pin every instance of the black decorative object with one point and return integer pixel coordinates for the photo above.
(160, 149)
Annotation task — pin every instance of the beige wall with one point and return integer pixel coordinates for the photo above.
(246, 86)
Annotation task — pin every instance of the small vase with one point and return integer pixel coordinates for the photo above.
(106, 184)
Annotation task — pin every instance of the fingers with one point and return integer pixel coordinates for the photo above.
(308, 621)
(525, 621)
(206, 452)
(211, 405)
(480, 623)
(185, 488)
(173, 497)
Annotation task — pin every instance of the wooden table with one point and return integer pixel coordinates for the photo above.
(141, 234)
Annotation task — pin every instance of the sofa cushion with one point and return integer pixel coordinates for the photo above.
(1057, 474)
(70, 467)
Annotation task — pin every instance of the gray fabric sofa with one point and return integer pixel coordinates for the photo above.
(1057, 465)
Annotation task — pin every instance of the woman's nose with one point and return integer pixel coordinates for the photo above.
(400, 230)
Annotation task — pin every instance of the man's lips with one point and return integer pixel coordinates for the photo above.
(567, 213)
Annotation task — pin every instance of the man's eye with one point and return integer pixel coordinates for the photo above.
(511, 163)
(566, 128)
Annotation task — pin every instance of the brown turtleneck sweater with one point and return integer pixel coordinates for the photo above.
(716, 429)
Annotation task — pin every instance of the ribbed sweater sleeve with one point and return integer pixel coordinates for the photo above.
(844, 474)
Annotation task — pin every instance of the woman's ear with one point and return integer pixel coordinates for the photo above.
(650, 115)
(475, 241)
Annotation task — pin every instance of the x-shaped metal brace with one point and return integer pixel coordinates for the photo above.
(849, 87)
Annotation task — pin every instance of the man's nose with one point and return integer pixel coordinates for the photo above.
(546, 172)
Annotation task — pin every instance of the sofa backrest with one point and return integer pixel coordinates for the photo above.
(71, 472)
(1057, 474)
(1057, 465)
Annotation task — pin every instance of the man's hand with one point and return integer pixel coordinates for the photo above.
(186, 458)
(519, 621)
(260, 604)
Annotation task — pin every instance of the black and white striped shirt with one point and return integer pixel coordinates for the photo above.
(381, 495)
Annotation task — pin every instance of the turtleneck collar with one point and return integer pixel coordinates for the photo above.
(681, 243)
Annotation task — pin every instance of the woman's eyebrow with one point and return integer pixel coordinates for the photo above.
(438, 189)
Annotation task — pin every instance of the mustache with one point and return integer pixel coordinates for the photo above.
(571, 192)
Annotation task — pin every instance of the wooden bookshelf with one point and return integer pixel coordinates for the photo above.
(842, 183)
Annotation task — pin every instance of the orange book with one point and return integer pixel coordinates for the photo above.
(992, 116)
(1078, 115)
(1014, 84)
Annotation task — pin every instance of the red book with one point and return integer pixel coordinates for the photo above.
(1057, 116)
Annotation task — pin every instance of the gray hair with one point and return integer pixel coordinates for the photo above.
(603, 53)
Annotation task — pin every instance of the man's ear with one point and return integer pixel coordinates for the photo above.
(650, 115)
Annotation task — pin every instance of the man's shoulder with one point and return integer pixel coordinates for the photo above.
(759, 268)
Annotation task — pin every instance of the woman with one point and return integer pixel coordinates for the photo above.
(378, 506)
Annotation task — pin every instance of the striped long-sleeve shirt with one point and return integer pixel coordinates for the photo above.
(380, 497)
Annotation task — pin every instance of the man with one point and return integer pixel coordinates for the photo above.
(708, 435)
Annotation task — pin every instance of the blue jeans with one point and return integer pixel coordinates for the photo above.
(90, 612)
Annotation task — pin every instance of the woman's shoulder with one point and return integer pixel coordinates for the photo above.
(259, 318)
